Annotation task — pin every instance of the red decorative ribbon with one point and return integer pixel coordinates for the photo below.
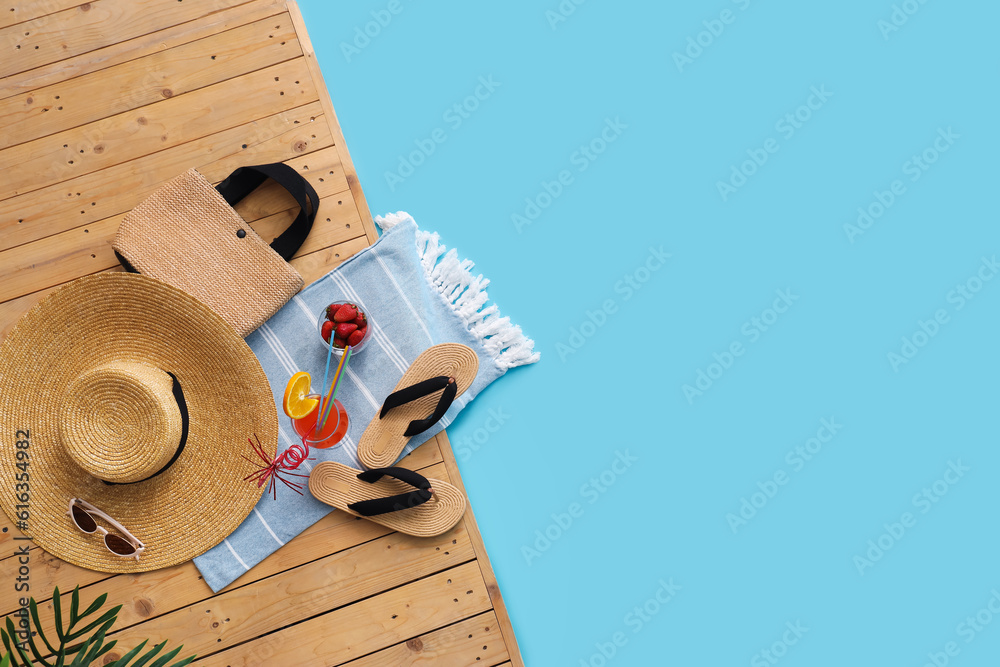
(275, 467)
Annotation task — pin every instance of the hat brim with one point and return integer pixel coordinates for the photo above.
(197, 501)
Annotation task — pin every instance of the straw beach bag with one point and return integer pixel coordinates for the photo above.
(187, 234)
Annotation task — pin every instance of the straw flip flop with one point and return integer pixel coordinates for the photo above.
(396, 498)
(425, 392)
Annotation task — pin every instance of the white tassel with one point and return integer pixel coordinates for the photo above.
(390, 220)
(466, 294)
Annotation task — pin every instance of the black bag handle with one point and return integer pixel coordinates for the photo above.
(245, 180)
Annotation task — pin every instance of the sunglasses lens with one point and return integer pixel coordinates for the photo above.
(84, 521)
(119, 545)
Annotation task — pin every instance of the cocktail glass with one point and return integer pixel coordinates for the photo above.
(332, 431)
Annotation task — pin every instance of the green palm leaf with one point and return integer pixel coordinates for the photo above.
(33, 607)
(85, 653)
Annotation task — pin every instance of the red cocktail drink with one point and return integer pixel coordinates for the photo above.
(331, 432)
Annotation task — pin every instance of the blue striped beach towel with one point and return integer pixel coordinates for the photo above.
(415, 294)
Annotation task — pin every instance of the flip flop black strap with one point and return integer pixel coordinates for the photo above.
(419, 390)
(401, 501)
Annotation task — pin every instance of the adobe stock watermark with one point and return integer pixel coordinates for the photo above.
(454, 116)
(466, 446)
(924, 500)
(363, 35)
(926, 330)
(787, 125)
(714, 28)
(915, 167)
(581, 158)
(901, 13)
(796, 458)
(562, 13)
(779, 649)
(591, 491)
(752, 329)
(967, 630)
(636, 620)
(628, 286)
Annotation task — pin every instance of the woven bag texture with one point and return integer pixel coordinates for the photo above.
(185, 234)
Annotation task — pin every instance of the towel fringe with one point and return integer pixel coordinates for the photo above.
(466, 294)
(390, 220)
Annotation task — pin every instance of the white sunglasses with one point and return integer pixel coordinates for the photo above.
(82, 514)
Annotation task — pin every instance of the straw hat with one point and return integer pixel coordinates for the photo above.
(89, 373)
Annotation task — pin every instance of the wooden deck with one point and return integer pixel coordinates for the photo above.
(102, 101)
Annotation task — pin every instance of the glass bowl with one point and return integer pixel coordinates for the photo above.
(339, 351)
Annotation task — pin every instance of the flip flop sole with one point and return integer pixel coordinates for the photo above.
(383, 441)
(338, 485)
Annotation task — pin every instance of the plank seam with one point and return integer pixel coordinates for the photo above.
(132, 109)
(161, 150)
(145, 34)
(111, 268)
(250, 222)
(343, 606)
(41, 16)
(278, 9)
(220, 157)
(422, 634)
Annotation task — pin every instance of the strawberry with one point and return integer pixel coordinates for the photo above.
(327, 328)
(356, 337)
(331, 310)
(346, 313)
(361, 320)
(345, 329)
(339, 342)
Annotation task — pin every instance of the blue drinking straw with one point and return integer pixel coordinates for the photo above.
(329, 353)
(336, 386)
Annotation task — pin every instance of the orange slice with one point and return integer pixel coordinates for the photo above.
(297, 403)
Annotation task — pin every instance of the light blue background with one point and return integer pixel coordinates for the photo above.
(665, 517)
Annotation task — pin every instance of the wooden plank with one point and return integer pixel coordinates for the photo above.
(61, 257)
(126, 136)
(318, 264)
(331, 117)
(13, 12)
(101, 194)
(370, 625)
(120, 52)
(311, 267)
(241, 615)
(155, 593)
(474, 641)
(323, 171)
(136, 83)
(483, 559)
(51, 38)
(336, 228)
